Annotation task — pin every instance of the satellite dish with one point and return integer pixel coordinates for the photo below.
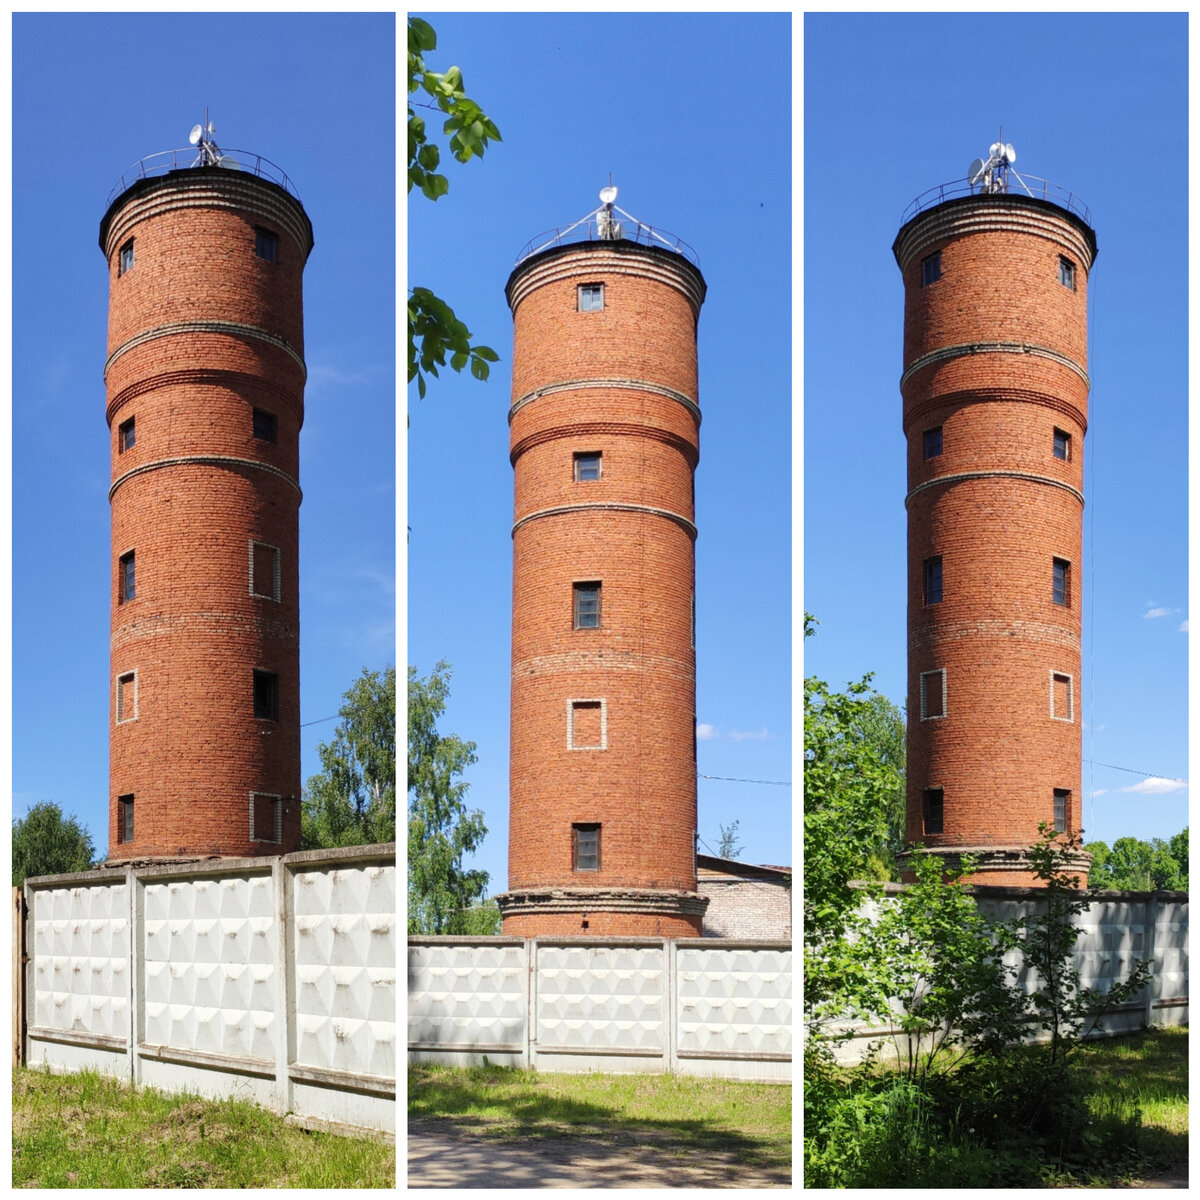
(1010, 153)
(608, 194)
(211, 129)
(975, 170)
(994, 149)
(227, 160)
(196, 134)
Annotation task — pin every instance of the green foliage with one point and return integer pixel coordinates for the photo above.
(728, 846)
(434, 332)
(352, 801)
(1137, 866)
(481, 920)
(44, 842)
(440, 829)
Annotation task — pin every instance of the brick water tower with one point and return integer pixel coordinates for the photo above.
(604, 441)
(995, 390)
(205, 385)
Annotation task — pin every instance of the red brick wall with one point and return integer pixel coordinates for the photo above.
(189, 498)
(1005, 344)
(632, 371)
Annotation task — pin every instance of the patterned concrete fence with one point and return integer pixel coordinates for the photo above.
(603, 1004)
(272, 979)
(1119, 929)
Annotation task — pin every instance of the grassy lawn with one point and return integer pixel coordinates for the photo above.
(682, 1115)
(89, 1130)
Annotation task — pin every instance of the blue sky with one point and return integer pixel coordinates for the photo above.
(650, 98)
(91, 95)
(893, 105)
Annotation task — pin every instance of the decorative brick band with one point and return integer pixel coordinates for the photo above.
(917, 410)
(1028, 631)
(683, 523)
(227, 379)
(608, 429)
(966, 348)
(205, 460)
(227, 327)
(1006, 860)
(960, 476)
(591, 900)
(633, 385)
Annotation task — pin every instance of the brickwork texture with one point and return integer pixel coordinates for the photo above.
(995, 410)
(204, 332)
(617, 384)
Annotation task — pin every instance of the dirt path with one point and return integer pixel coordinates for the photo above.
(443, 1154)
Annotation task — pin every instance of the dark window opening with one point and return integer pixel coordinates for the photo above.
(933, 442)
(933, 694)
(125, 818)
(1062, 582)
(1062, 799)
(1062, 444)
(264, 425)
(587, 727)
(587, 606)
(264, 570)
(266, 244)
(931, 269)
(1066, 272)
(587, 466)
(266, 818)
(591, 297)
(125, 261)
(933, 580)
(933, 810)
(266, 696)
(585, 847)
(126, 579)
(126, 436)
(127, 697)
(1062, 697)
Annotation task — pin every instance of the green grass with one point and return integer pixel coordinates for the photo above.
(90, 1130)
(749, 1123)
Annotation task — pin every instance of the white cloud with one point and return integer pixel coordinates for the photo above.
(739, 735)
(1155, 785)
(705, 732)
(1151, 613)
(1099, 792)
(1184, 627)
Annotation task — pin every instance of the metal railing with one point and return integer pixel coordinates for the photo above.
(588, 230)
(176, 160)
(1023, 185)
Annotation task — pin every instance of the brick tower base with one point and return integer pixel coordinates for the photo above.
(602, 912)
(996, 866)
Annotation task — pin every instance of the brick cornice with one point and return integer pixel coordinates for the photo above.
(205, 460)
(600, 384)
(229, 328)
(562, 509)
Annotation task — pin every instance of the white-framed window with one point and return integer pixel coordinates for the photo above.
(933, 694)
(127, 697)
(587, 465)
(1062, 696)
(266, 817)
(125, 259)
(264, 570)
(591, 297)
(587, 725)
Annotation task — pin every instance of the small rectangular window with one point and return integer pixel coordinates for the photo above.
(585, 847)
(125, 819)
(933, 810)
(127, 698)
(126, 578)
(264, 570)
(587, 725)
(933, 442)
(266, 696)
(587, 605)
(1062, 696)
(1066, 272)
(591, 297)
(1062, 444)
(126, 436)
(933, 580)
(587, 466)
(266, 817)
(264, 425)
(266, 244)
(931, 269)
(125, 262)
(1062, 582)
(1062, 800)
(933, 694)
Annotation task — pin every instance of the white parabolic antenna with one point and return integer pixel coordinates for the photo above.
(975, 170)
(195, 135)
(608, 194)
(1010, 153)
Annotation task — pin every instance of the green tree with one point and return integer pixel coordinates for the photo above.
(352, 801)
(434, 332)
(44, 842)
(1137, 866)
(728, 846)
(481, 920)
(880, 725)
(440, 829)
